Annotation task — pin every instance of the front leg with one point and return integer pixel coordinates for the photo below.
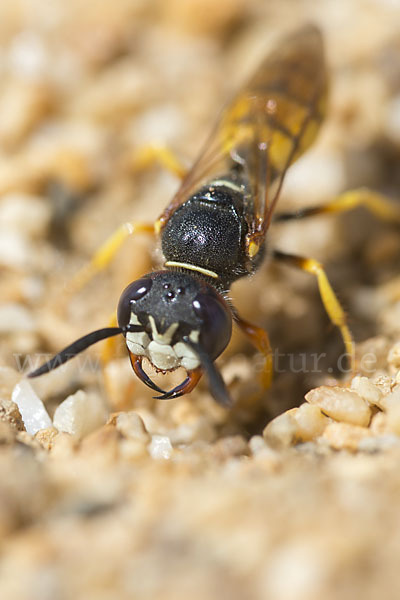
(260, 340)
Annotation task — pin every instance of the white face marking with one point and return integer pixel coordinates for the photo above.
(134, 320)
(162, 338)
(137, 342)
(194, 336)
(188, 359)
(162, 356)
(159, 350)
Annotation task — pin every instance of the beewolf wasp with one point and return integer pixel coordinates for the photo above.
(213, 231)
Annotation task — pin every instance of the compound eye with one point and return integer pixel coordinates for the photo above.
(135, 291)
(216, 323)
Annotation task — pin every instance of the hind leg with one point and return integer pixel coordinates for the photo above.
(376, 203)
(329, 299)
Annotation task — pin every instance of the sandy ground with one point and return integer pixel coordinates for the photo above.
(124, 496)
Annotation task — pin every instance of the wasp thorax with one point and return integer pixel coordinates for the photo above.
(178, 312)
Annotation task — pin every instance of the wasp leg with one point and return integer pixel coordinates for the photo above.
(260, 340)
(108, 347)
(104, 255)
(107, 353)
(328, 297)
(376, 203)
(183, 388)
(136, 362)
(150, 155)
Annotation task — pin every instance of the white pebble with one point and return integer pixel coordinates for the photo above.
(260, 449)
(310, 421)
(131, 425)
(367, 390)
(391, 400)
(281, 431)
(160, 447)
(296, 425)
(344, 436)
(15, 252)
(15, 317)
(33, 412)
(27, 56)
(378, 443)
(80, 414)
(341, 404)
(24, 213)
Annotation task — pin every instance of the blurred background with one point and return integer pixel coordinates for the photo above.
(84, 86)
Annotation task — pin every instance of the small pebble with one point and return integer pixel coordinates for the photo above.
(132, 449)
(344, 436)
(296, 425)
(257, 444)
(27, 55)
(131, 425)
(367, 390)
(15, 317)
(10, 414)
(46, 437)
(391, 400)
(80, 414)
(15, 251)
(378, 424)
(378, 443)
(341, 404)
(310, 421)
(28, 214)
(32, 409)
(384, 383)
(198, 429)
(160, 447)
(281, 431)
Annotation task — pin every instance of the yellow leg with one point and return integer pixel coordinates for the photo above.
(108, 353)
(106, 253)
(109, 345)
(149, 155)
(376, 203)
(328, 296)
(259, 338)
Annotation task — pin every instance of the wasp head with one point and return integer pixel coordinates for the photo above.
(175, 320)
(179, 321)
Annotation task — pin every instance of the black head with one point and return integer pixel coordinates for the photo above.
(172, 318)
(184, 322)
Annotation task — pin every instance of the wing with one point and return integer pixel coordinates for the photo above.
(264, 129)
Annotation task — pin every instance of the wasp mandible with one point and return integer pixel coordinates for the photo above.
(213, 232)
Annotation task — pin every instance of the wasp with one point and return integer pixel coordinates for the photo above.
(213, 232)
